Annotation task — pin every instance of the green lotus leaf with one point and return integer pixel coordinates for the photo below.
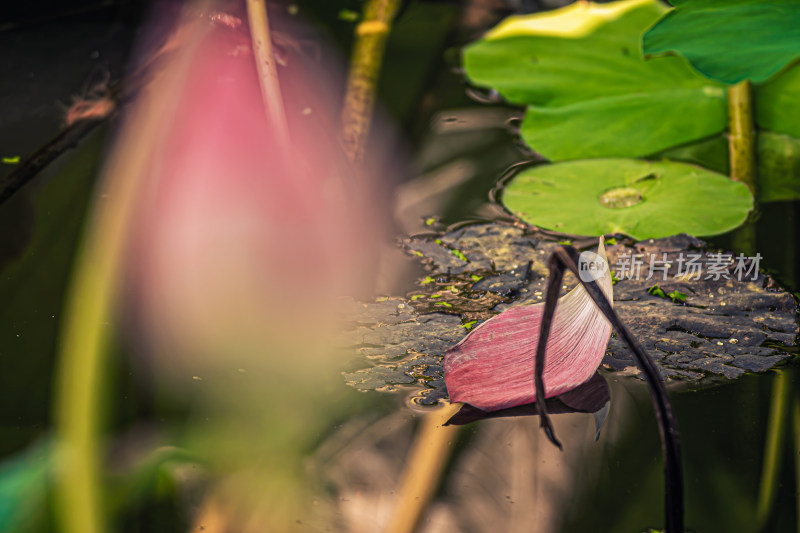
(778, 103)
(730, 40)
(778, 162)
(615, 126)
(638, 198)
(589, 91)
(778, 167)
(710, 153)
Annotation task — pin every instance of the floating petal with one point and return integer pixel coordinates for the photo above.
(492, 368)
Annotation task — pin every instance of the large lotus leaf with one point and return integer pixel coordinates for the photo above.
(621, 126)
(778, 167)
(590, 92)
(778, 162)
(639, 198)
(730, 40)
(710, 153)
(778, 102)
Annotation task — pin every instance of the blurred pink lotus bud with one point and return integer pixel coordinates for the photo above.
(243, 243)
(492, 367)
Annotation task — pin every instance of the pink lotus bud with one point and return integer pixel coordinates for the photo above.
(244, 242)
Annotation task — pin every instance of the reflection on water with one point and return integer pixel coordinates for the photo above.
(590, 397)
(504, 475)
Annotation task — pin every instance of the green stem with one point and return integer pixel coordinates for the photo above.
(742, 150)
(365, 66)
(89, 307)
(80, 372)
(741, 135)
(773, 450)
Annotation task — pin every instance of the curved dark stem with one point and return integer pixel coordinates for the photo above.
(118, 92)
(567, 257)
(551, 299)
(68, 138)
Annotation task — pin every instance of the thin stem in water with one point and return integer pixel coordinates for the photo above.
(551, 300)
(567, 257)
(267, 70)
(773, 450)
(118, 92)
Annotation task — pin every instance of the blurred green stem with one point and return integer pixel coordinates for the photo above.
(424, 467)
(88, 310)
(773, 449)
(365, 67)
(84, 340)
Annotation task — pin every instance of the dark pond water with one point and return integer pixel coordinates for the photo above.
(503, 475)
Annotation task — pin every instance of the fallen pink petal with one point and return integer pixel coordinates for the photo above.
(492, 368)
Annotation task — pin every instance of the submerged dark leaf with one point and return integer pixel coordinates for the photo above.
(728, 326)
